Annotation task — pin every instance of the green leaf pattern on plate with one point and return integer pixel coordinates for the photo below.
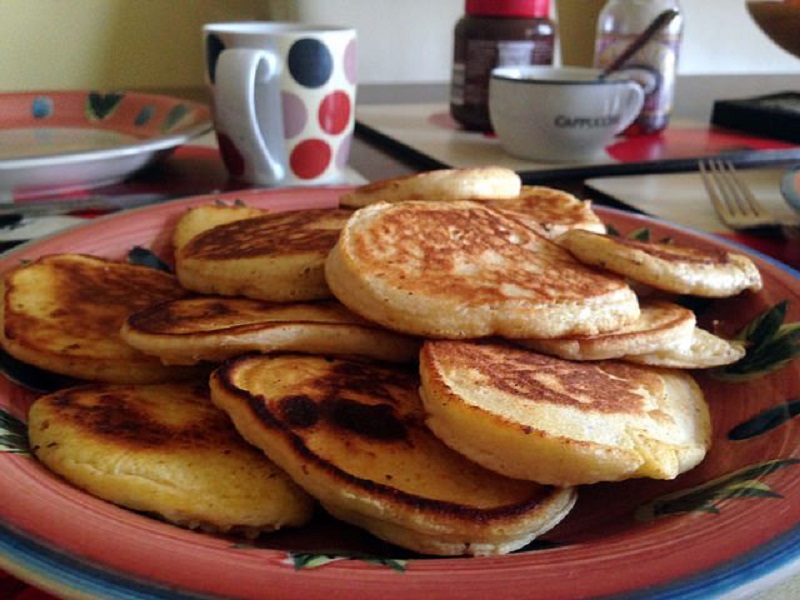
(101, 106)
(705, 498)
(145, 115)
(144, 257)
(638, 235)
(765, 421)
(770, 344)
(174, 117)
(311, 560)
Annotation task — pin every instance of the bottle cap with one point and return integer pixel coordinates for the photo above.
(509, 8)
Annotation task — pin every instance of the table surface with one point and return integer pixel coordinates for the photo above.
(373, 161)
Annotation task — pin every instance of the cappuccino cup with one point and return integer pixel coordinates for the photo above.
(560, 114)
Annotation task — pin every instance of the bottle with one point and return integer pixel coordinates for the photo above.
(494, 33)
(654, 66)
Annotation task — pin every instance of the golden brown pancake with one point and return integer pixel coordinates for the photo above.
(661, 325)
(352, 435)
(464, 270)
(214, 328)
(551, 212)
(713, 273)
(533, 416)
(63, 313)
(473, 183)
(198, 219)
(164, 449)
(277, 257)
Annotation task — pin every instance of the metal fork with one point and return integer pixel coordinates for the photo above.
(733, 201)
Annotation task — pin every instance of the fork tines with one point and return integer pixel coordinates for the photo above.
(733, 201)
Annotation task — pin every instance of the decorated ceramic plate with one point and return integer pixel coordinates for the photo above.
(730, 526)
(62, 140)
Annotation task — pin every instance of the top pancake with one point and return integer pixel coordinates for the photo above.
(278, 257)
(476, 183)
(63, 313)
(461, 269)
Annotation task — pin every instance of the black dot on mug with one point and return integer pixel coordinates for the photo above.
(310, 62)
(214, 47)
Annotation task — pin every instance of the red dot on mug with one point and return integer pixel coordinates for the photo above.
(334, 113)
(310, 158)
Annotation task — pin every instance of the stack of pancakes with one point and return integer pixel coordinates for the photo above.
(442, 361)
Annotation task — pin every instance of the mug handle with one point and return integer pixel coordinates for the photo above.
(248, 102)
(632, 105)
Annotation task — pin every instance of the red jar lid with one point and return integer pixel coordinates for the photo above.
(509, 8)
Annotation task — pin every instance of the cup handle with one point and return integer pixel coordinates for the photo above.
(632, 105)
(248, 103)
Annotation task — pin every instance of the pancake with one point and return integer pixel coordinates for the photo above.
(536, 417)
(352, 435)
(208, 328)
(551, 212)
(475, 183)
(63, 313)
(713, 273)
(661, 325)
(463, 270)
(704, 350)
(276, 257)
(164, 449)
(198, 219)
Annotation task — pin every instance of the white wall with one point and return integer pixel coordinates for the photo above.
(411, 40)
(119, 44)
(720, 38)
(109, 44)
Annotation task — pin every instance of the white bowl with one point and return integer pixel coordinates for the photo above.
(558, 114)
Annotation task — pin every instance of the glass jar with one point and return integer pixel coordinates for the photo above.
(654, 65)
(491, 34)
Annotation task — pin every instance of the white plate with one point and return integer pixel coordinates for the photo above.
(56, 142)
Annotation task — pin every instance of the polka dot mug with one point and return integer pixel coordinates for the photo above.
(283, 100)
